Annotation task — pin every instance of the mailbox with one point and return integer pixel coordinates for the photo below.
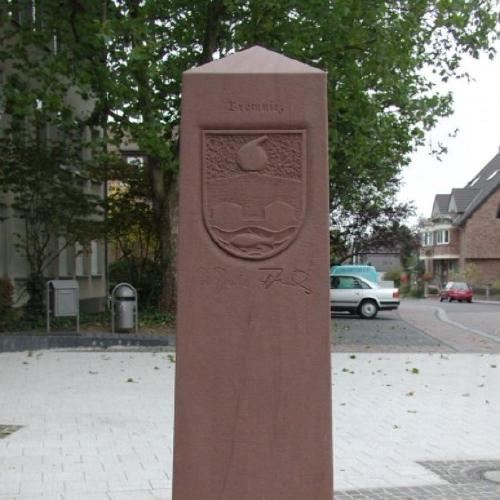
(63, 300)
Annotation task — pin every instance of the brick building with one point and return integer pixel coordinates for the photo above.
(464, 228)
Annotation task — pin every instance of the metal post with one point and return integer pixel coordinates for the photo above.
(136, 312)
(48, 306)
(78, 312)
(112, 314)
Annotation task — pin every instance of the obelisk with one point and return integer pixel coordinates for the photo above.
(253, 382)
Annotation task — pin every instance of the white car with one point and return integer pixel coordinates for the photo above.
(349, 292)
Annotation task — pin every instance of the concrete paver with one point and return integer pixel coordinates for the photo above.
(94, 424)
(98, 425)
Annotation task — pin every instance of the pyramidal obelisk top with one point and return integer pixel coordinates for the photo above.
(256, 59)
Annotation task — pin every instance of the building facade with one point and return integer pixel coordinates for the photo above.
(85, 264)
(463, 232)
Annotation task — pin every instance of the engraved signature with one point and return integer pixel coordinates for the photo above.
(279, 276)
(223, 278)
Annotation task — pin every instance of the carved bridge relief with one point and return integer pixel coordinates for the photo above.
(254, 190)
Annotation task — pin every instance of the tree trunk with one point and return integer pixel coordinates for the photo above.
(168, 245)
(165, 204)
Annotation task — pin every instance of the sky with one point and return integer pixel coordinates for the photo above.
(477, 116)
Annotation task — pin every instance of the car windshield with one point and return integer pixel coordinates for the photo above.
(458, 286)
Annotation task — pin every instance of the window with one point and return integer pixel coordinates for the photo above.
(63, 261)
(427, 239)
(135, 160)
(22, 11)
(79, 267)
(94, 258)
(492, 175)
(347, 283)
(442, 237)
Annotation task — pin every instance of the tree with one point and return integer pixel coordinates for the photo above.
(132, 233)
(375, 225)
(131, 53)
(45, 166)
(55, 210)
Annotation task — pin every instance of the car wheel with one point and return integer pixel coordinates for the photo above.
(460, 300)
(368, 309)
(450, 299)
(469, 300)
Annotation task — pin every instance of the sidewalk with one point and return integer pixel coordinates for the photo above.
(98, 425)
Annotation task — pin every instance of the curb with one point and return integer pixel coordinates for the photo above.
(19, 343)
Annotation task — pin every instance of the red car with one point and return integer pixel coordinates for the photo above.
(456, 290)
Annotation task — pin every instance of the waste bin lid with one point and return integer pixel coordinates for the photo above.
(124, 291)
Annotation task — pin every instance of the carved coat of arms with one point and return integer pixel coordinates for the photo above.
(254, 190)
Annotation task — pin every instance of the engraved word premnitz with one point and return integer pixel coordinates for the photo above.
(260, 107)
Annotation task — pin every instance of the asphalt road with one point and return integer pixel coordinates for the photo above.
(421, 326)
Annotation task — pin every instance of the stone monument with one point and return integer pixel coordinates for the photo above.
(253, 389)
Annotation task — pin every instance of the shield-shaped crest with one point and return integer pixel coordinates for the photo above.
(254, 190)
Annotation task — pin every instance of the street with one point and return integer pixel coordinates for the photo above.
(421, 326)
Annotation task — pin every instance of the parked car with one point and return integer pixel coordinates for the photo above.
(456, 290)
(349, 292)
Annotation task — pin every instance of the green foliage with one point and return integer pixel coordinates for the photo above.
(35, 287)
(46, 161)
(394, 275)
(471, 274)
(48, 200)
(131, 223)
(151, 319)
(143, 274)
(416, 293)
(128, 57)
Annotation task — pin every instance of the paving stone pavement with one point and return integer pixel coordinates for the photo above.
(98, 425)
(388, 332)
(468, 480)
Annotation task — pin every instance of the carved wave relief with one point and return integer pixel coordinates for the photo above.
(253, 241)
